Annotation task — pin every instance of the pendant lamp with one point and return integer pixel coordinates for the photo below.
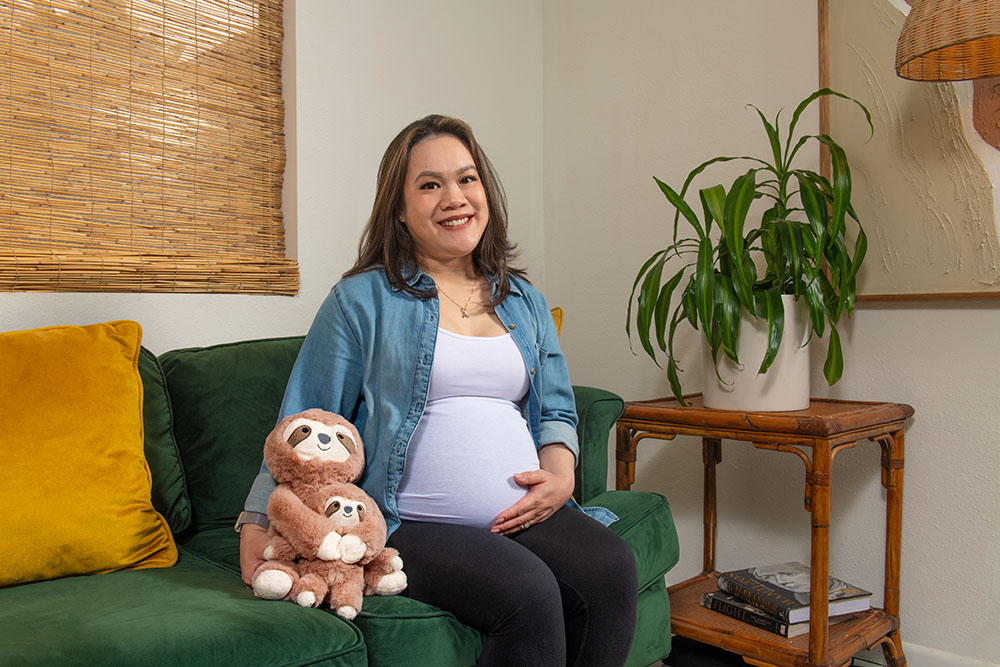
(950, 40)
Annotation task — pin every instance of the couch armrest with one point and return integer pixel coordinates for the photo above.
(598, 411)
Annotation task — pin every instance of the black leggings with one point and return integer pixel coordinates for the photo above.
(562, 592)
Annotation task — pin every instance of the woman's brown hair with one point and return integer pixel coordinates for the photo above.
(386, 242)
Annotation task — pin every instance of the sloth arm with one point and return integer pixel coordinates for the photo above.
(304, 529)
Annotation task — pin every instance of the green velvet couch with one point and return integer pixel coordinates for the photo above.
(206, 412)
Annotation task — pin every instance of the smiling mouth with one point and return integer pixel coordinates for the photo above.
(455, 222)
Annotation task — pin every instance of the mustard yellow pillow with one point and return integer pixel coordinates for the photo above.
(74, 484)
(557, 317)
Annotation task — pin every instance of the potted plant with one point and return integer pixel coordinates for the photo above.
(799, 248)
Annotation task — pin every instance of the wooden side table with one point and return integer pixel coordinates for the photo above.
(815, 435)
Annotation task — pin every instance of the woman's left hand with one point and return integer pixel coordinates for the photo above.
(548, 490)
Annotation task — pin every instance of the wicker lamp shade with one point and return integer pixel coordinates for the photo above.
(950, 40)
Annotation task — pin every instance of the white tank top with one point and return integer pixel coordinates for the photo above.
(471, 438)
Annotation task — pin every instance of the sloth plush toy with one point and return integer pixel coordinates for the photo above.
(327, 535)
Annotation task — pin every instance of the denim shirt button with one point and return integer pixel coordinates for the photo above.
(532, 371)
(512, 326)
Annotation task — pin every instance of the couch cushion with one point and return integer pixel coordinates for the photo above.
(169, 486)
(393, 627)
(74, 485)
(598, 410)
(192, 614)
(401, 631)
(219, 545)
(651, 642)
(225, 400)
(647, 526)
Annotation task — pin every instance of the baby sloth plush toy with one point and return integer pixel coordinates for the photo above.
(327, 535)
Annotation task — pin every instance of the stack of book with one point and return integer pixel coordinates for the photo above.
(776, 598)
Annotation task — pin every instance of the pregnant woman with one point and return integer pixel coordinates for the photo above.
(447, 361)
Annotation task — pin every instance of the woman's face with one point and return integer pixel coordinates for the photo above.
(443, 200)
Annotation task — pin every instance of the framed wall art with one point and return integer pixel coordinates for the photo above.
(924, 183)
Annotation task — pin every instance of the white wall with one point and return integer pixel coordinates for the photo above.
(655, 90)
(355, 74)
(592, 99)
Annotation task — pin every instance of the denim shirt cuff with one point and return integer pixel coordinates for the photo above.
(261, 490)
(556, 431)
(602, 515)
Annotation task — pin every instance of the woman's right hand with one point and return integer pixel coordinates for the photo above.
(253, 539)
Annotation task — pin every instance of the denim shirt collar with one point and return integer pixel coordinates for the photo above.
(417, 277)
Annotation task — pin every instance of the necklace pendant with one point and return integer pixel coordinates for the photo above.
(465, 312)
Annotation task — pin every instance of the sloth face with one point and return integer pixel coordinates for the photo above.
(344, 511)
(315, 440)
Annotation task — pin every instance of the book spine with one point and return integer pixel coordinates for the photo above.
(768, 623)
(749, 596)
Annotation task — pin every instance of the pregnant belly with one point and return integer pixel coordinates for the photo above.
(460, 468)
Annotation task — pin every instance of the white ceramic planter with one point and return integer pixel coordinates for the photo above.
(784, 387)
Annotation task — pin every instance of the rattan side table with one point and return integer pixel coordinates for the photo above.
(816, 436)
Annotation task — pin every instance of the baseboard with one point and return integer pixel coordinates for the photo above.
(923, 656)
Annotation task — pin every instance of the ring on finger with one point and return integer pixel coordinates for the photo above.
(525, 525)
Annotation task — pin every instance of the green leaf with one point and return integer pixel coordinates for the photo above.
(839, 266)
(813, 251)
(647, 306)
(701, 167)
(744, 285)
(772, 136)
(663, 308)
(682, 207)
(775, 326)
(833, 369)
(688, 302)
(790, 234)
(820, 93)
(814, 205)
(803, 140)
(817, 305)
(638, 277)
(713, 202)
(829, 297)
(714, 339)
(673, 370)
(841, 181)
(675, 381)
(727, 315)
(769, 243)
(725, 260)
(737, 206)
(704, 284)
(860, 250)
(752, 236)
(850, 288)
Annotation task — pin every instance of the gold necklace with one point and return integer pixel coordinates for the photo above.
(465, 308)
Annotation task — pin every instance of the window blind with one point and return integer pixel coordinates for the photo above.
(142, 147)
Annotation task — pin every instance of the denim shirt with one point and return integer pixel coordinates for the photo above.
(368, 357)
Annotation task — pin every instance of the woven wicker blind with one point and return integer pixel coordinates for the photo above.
(141, 146)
